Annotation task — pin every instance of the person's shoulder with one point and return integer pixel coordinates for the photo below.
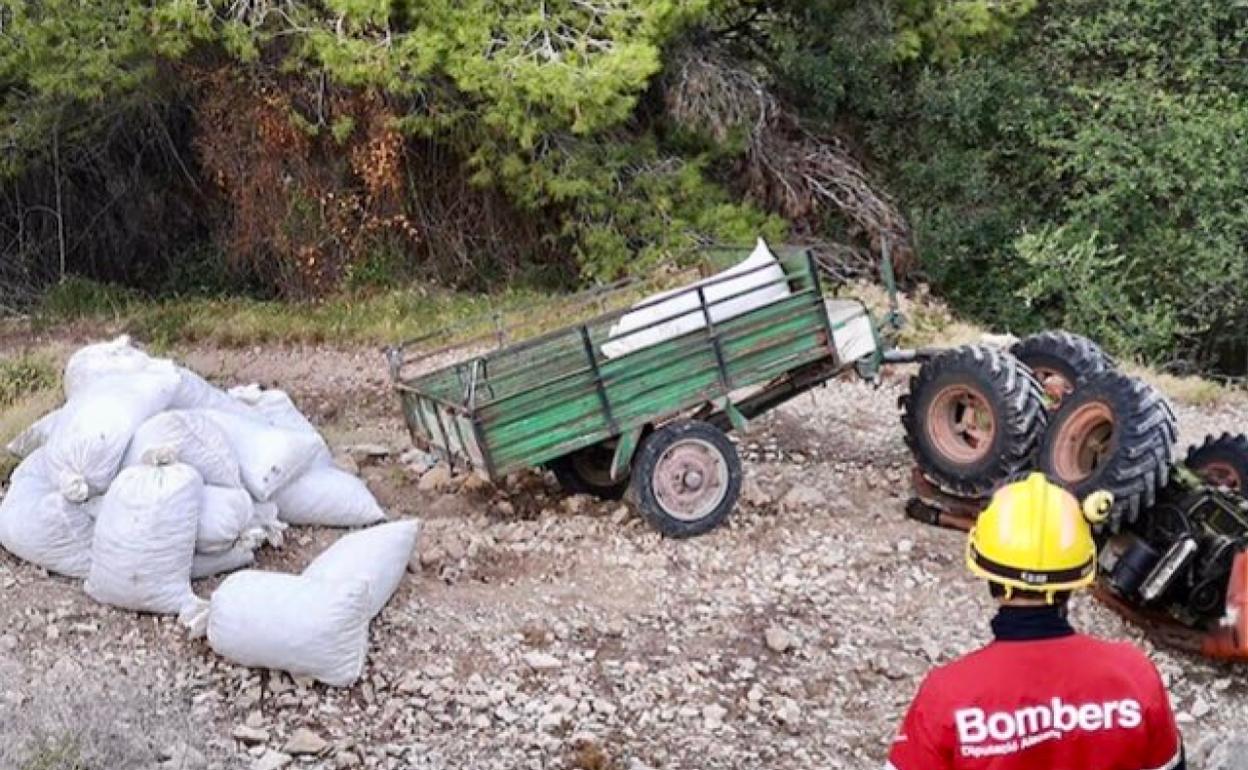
(958, 670)
(1119, 653)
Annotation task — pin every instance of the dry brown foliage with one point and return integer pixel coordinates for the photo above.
(303, 204)
(789, 169)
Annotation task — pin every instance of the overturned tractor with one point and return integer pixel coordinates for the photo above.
(1174, 549)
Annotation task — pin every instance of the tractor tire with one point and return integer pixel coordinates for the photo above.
(1115, 433)
(686, 478)
(588, 472)
(1221, 461)
(1061, 361)
(973, 419)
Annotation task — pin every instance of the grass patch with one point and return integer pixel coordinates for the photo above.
(30, 387)
(365, 318)
(24, 375)
(1191, 390)
(79, 298)
(18, 416)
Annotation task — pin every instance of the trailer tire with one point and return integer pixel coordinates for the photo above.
(1061, 362)
(1221, 461)
(1115, 433)
(686, 478)
(973, 418)
(588, 472)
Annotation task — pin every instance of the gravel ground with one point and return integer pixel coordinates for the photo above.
(540, 631)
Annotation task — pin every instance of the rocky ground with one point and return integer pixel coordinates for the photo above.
(539, 631)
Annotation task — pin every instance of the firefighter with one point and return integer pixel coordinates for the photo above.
(1040, 696)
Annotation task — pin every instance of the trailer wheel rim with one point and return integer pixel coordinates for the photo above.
(1220, 474)
(961, 424)
(1083, 442)
(690, 479)
(1056, 385)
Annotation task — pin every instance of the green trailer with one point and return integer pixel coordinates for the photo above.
(646, 418)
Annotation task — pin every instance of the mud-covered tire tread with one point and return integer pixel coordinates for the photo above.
(1076, 357)
(641, 491)
(1013, 394)
(1145, 430)
(1228, 448)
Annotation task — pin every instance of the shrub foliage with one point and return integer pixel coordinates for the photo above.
(1071, 164)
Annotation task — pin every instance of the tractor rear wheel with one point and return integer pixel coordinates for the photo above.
(1221, 461)
(1115, 433)
(973, 418)
(1061, 361)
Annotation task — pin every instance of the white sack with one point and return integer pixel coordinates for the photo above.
(96, 425)
(209, 564)
(265, 522)
(145, 538)
(274, 405)
(268, 457)
(194, 392)
(39, 525)
(683, 313)
(328, 497)
(35, 436)
(377, 555)
(103, 359)
(224, 515)
(295, 624)
(199, 442)
(277, 408)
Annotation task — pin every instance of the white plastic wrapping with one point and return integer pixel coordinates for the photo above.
(268, 457)
(103, 359)
(277, 408)
(235, 558)
(377, 555)
(199, 442)
(225, 514)
(26, 442)
(291, 623)
(39, 525)
(329, 497)
(95, 426)
(683, 312)
(145, 538)
(194, 392)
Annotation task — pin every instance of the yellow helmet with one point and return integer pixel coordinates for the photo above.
(1033, 536)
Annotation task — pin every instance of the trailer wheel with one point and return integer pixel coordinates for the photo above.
(686, 478)
(1222, 461)
(1115, 433)
(588, 472)
(973, 418)
(1061, 361)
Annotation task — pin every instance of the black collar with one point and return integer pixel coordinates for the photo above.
(1017, 624)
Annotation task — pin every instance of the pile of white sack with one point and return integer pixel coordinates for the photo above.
(148, 477)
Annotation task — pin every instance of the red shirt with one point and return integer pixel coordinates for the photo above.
(1067, 703)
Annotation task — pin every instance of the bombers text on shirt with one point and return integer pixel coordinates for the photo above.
(976, 726)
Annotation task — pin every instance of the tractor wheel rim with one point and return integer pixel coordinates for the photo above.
(961, 424)
(1220, 474)
(690, 479)
(1083, 442)
(1056, 386)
